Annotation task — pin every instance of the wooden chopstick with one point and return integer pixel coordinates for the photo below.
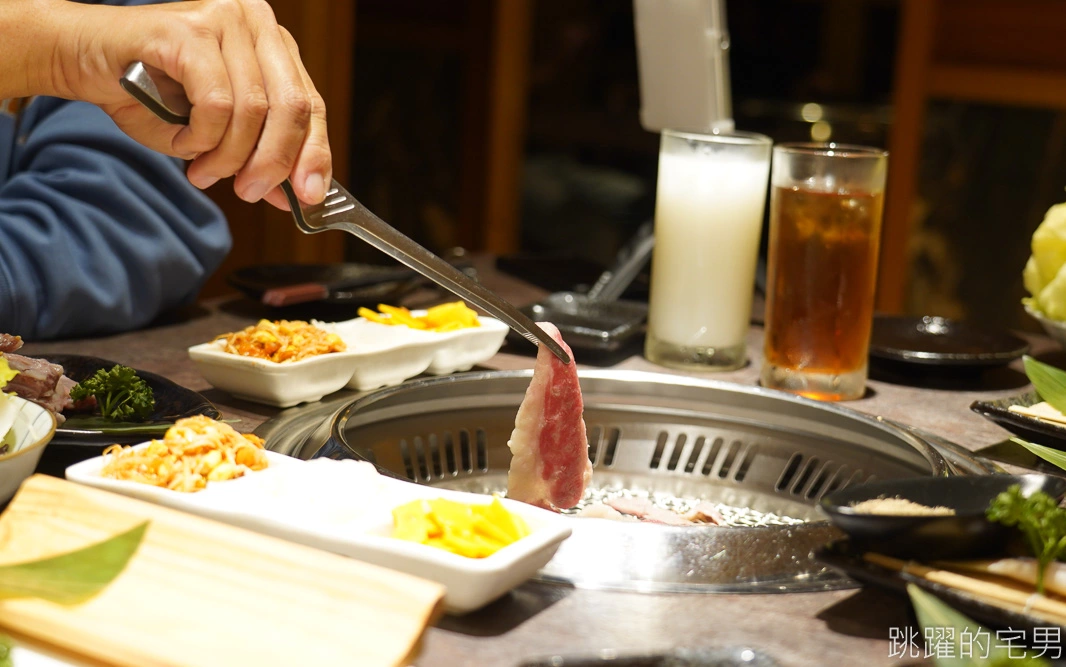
(1006, 594)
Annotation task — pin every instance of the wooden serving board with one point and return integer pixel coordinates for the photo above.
(199, 592)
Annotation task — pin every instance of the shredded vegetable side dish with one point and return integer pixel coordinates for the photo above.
(282, 340)
(445, 317)
(194, 451)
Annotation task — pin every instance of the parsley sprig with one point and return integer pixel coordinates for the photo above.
(120, 394)
(1040, 520)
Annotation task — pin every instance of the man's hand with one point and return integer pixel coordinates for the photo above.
(256, 115)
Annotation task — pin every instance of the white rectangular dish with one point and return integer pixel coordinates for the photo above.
(346, 507)
(388, 355)
(279, 384)
(394, 353)
(464, 348)
(378, 355)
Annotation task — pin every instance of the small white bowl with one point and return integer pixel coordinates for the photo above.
(1054, 328)
(279, 384)
(33, 428)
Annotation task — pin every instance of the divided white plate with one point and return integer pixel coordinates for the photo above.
(394, 353)
(264, 381)
(378, 355)
(346, 507)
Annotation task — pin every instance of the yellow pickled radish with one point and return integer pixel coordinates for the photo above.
(445, 317)
(512, 525)
(470, 530)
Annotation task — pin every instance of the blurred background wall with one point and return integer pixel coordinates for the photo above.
(512, 127)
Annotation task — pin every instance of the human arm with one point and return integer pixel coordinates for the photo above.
(256, 114)
(98, 234)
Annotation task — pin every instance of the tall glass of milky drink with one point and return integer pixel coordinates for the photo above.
(826, 202)
(710, 199)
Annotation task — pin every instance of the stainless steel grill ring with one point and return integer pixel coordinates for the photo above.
(765, 457)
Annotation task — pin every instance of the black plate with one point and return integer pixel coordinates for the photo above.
(601, 325)
(254, 280)
(938, 341)
(966, 534)
(172, 402)
(596, 331)
(1028, 428)
(843, 555)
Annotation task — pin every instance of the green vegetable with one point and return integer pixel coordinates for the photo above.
(966, 637)
(1039, 518)
(1043, 275)
(120, 394)
(1052, 456)
(73, 577)
(1050, 382)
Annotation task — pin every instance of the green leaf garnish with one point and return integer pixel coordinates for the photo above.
(961, 641)
(1050, 382)
(73, 577)
(1053, 456)
(107, 427)
(103, 426)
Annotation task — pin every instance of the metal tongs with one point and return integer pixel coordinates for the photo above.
(166, 99)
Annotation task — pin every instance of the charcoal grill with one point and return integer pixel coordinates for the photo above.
(764, 457)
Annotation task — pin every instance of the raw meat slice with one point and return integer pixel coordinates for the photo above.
(550, 464)
(601, 511)
(644, 509)
(705, 512)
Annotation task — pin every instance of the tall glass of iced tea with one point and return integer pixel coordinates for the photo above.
(826, 202)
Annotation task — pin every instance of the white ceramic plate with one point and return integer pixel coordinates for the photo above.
(33, 429)
(1053, 328)
(264, 381)
(346, 507)
(378, 355)
(390, 354)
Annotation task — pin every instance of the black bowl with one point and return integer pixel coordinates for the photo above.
(966, 534)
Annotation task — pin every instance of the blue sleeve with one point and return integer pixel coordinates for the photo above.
(98, 234)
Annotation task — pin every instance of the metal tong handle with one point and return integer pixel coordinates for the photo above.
(166, 99)
(158, 93)
(361, 222)
(614, 281)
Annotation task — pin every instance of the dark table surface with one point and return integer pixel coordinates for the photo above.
(537, 619)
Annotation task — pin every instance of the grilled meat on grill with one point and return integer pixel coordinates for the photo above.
(38, 380)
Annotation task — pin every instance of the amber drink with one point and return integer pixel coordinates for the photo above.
(826, 203)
